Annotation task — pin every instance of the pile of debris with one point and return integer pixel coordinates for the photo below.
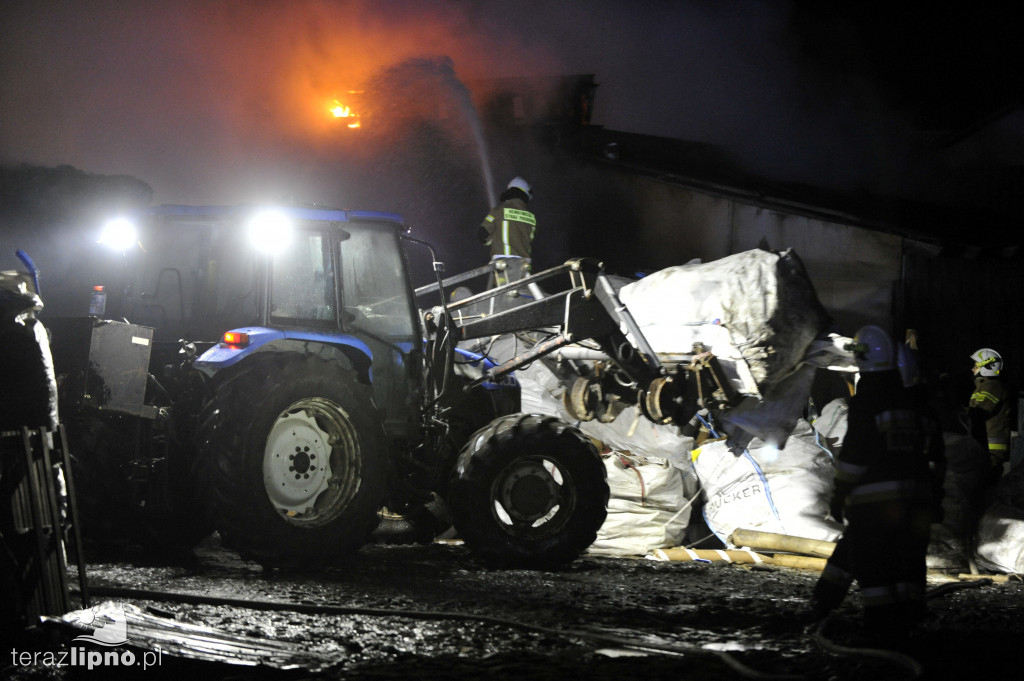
(765, 466)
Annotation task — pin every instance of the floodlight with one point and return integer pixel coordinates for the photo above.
(270, 231)
(119, 234)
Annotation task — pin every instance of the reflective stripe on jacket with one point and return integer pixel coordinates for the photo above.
(510, 228)
(989, 397)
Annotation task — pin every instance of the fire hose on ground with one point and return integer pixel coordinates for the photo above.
(817, 552)
(764, 541)
(678, 649)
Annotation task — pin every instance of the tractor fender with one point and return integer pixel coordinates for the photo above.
(339, 347)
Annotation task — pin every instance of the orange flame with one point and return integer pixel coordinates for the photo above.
(339, 110)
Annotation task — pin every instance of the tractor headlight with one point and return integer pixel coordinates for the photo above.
(119, 234)
(270, 231)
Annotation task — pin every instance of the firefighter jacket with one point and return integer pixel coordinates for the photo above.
(509, 228)
(885, 454)
(883, 480)
(989, 407)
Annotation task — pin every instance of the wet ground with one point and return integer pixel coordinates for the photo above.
(434, 612)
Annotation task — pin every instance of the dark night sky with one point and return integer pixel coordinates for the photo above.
(224, 101)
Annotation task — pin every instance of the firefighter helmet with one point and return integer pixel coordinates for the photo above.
(521, 184)
(873, 349)
(987, 362)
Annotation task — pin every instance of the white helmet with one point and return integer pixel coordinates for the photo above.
(873, 349)
(910, 369)
(987, 362)
(520, 183)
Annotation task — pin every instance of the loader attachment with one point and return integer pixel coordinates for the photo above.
(589, 309)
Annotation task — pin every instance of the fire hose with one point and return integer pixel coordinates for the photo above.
(909, 663)
(314, 609)
(819, 552)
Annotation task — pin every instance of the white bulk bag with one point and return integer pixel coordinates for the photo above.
(1001, 531)
(758, 313)
(1001, 540)
(784, 491)
(735, 307)
(647, 509)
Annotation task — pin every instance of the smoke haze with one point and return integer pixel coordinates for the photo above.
(228, 101)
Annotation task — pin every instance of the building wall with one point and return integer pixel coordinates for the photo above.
(959, 305)
(855, 270)
(635, 222)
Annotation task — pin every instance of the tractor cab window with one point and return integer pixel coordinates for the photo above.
(374, 286)
(189, 280)
(302, 288)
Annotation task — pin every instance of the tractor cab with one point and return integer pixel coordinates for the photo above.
(300, 280)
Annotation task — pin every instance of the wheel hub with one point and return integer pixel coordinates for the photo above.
(529, 492)
(302, 461)
(296, 464)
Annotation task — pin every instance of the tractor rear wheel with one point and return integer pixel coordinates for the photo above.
(293, 460)
(529, 491)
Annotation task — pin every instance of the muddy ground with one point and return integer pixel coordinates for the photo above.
(434, 612)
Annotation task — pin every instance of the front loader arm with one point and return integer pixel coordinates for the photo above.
(629, 370)
(577, 316)
(588, 309)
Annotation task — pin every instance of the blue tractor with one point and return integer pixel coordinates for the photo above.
(333, 393)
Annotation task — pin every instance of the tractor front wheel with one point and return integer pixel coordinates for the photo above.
(529, 491)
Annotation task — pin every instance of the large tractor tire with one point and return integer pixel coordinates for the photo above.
(293, 461)
(529, 491)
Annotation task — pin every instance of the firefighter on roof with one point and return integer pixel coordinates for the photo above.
(509, 229)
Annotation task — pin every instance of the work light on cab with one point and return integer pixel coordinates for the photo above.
(270, 231)
(235, 339)
(118, 235)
